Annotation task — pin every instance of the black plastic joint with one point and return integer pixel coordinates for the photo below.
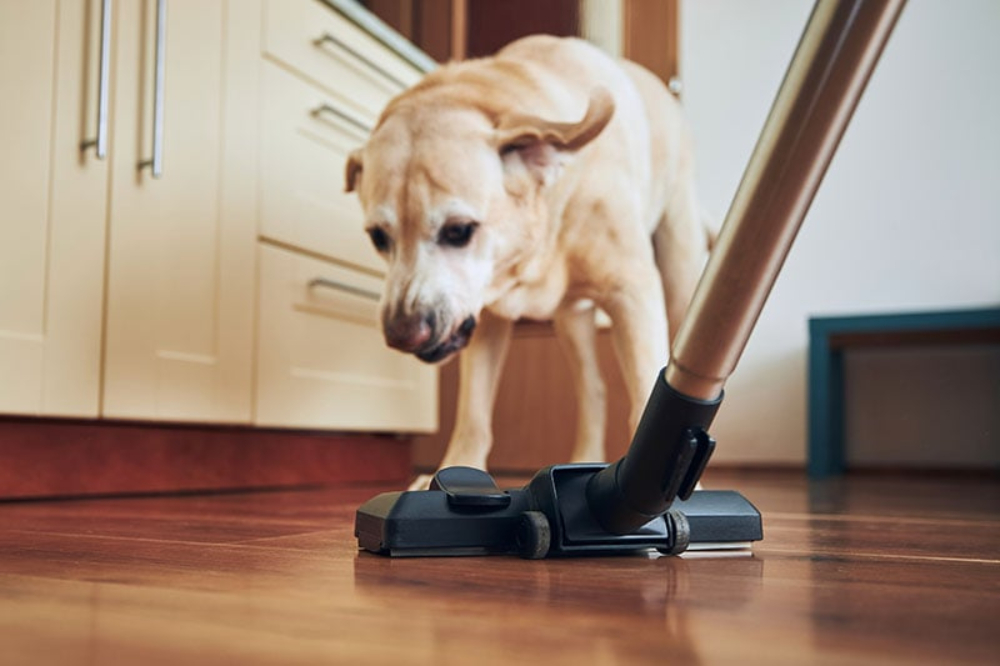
(669, 451)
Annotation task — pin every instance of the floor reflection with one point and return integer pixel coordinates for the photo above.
(650, 595)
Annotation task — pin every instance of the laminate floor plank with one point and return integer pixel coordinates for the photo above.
(863, 570)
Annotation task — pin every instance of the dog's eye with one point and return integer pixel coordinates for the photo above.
(457, 234)
(380, 239)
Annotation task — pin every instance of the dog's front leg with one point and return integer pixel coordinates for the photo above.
(480, 365)
(576, 330)
(639, 333)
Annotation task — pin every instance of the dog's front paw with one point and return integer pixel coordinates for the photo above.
(422, 482)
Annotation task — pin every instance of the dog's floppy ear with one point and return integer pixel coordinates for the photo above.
(352, 171)
(540, 142)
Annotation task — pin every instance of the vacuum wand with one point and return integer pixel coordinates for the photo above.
(828, 73)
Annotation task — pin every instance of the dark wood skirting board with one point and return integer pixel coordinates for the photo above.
(64, 458)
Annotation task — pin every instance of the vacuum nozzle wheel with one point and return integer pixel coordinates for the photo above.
(678, 526)
(533, 535)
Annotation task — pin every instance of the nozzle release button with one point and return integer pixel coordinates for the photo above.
(470, 487)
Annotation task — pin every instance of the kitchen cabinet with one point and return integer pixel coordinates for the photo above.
(180, 296)
(168, 260)
(54, 196)
(321, 358)
(304, 147)
(185, 274)
(323, 362)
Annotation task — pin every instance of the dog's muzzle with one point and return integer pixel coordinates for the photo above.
(453, 343)
(409, 333)
(416, 334)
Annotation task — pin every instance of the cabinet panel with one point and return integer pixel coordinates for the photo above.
(180, 286)
(350, 64)
(322, 360)
(52, 230)
(304, 146)
(27, 38)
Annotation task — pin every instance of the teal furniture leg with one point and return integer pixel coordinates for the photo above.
(826, 404)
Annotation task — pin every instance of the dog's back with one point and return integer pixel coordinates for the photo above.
(648, 124)
(648, 140)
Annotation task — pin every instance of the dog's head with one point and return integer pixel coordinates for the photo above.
(454, 202)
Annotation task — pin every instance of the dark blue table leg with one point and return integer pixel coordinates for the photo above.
(826, 405)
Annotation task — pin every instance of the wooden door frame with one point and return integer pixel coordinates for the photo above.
(645, 24)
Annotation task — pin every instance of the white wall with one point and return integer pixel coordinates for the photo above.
(908, 217)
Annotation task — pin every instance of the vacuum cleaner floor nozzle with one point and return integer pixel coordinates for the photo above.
(465, 513)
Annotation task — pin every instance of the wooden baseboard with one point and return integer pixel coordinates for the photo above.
(57, 458)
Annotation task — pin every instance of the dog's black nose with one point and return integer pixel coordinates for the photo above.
(409, 333)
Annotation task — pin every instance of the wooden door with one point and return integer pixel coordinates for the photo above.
(180, 285)
(54, 193)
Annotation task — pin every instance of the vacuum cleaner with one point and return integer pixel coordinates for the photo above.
(647, 499)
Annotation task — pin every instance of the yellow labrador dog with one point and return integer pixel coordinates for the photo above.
(542, 182)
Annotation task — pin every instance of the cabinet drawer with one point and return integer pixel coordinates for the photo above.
(334, 53)
(322, 361)
(305, 140)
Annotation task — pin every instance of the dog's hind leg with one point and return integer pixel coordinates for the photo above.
(681, 241)
(576, 331)
(480, 365)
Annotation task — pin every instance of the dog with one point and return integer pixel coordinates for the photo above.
(544, 182)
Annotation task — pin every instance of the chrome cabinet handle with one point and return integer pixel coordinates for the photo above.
(327, 38)
(344, 287)
(349, 119)
(156, 163)
(101, 142)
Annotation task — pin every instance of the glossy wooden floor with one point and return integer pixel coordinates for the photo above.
(863, 571)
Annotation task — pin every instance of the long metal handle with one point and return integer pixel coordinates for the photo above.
(827, 75)
(101, 142)
(835, 57)
(347, 118)
(156, 162)
(344, 287)
(327, 38)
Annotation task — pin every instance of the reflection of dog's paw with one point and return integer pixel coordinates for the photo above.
(422, 482)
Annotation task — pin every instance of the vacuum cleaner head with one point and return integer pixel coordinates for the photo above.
(644, 501)
(465, 513)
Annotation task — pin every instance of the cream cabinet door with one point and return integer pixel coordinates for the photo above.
(323, 362)
(52, 224)
(180, 297)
